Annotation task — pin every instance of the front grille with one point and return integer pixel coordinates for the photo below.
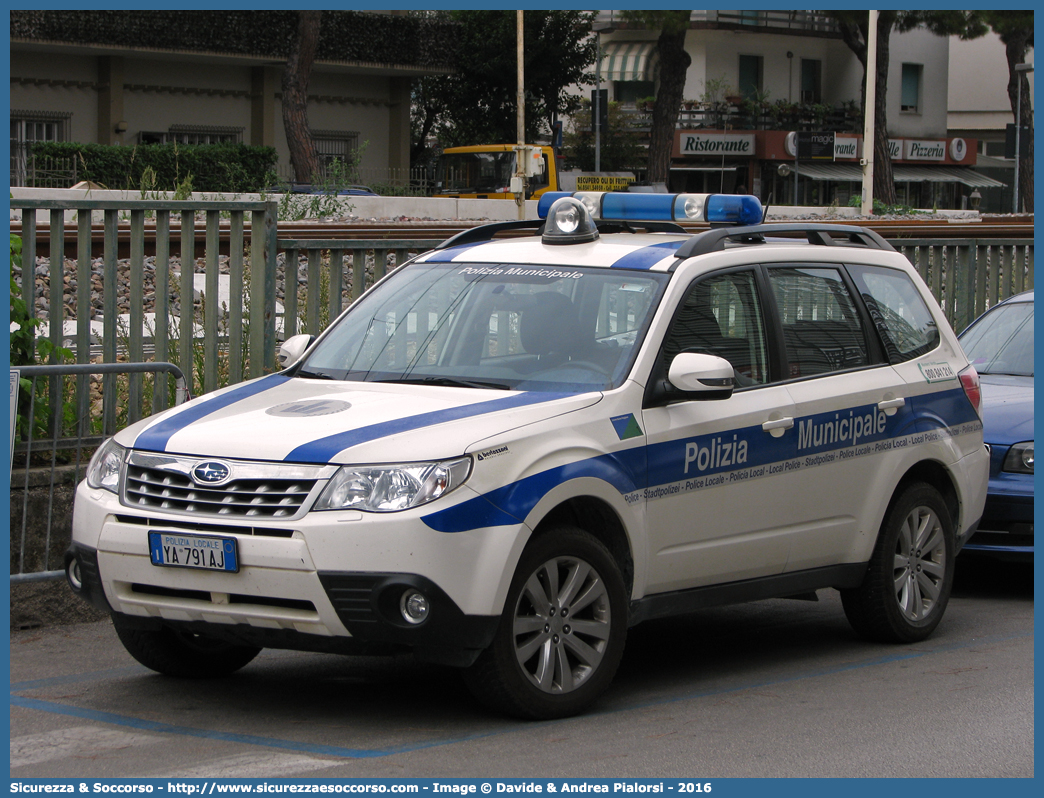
(253, 490)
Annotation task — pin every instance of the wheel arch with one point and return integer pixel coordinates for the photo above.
(939, 477)
(596, 517)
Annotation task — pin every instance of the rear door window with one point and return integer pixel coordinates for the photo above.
(906, 326)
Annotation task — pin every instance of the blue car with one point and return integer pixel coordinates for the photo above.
(1000, 346)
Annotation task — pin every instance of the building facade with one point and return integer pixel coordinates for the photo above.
(196, 77)
(757, 75)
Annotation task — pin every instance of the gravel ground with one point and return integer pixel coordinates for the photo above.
(36, 604)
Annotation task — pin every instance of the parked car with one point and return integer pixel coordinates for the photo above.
(1000, 346)
(509, 451)
(308, 188)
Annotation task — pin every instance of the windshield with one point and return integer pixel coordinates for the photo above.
(475, 172)
(1001, 342)
(528, 328)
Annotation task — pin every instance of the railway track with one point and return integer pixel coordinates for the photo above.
(999, 227)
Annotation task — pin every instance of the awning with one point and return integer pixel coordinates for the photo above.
(629, 61)
(850, 172)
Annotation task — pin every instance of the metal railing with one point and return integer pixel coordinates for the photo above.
(967, 276)
(337, 272)
(53, 442)
(181, 328)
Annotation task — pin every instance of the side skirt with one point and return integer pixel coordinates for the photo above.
(662, 605)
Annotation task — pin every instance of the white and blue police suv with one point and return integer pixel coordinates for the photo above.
(510, 451)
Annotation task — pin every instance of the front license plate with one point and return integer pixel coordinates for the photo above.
(178, 550)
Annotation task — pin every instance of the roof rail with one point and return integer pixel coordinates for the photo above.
(486, 232)
(819, 234)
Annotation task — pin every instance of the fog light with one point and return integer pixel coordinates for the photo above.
(72, 573)
(414, 606)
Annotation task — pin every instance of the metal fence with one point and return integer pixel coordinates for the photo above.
(187, 322)
(334, 273)
(967, 276)
(53, 444)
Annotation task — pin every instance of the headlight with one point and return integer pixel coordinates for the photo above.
(390, 488)
(104, 469)
(1019, 459)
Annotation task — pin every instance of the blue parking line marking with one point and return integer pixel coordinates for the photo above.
(126, 721)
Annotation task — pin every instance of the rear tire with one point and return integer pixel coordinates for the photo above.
(910, 574)
(562, 632)
(180, 653)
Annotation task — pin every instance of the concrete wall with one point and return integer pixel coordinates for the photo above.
(434, 208)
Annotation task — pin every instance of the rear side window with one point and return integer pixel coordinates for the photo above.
(822, 332)
(903, 320)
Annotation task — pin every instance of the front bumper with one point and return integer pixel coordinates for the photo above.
(326, 582)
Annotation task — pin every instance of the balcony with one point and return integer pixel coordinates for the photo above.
(815, 23)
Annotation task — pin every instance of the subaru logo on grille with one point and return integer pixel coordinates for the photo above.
(211, 472)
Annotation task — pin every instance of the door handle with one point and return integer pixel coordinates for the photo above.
(778, 426)
(891, 405)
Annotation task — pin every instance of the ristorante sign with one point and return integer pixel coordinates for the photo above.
(737, 145)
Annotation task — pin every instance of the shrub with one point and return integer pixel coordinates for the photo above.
(227, 168)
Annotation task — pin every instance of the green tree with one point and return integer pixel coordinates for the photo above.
(854, 27)
(674, 62)
(296, 74)
(477, 103)
(1015, 29)
(620, 147)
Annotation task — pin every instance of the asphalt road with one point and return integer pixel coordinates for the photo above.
(777, 688)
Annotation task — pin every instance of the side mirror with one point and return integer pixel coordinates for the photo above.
(702, 376)
(292, 349)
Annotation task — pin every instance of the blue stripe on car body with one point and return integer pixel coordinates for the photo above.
(664, 463)
(156, 437)
(324, 449)
(647, 257)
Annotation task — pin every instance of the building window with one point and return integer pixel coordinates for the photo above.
(750, 75)
(628, 92)
(336, 151)
(911, 88)
(28, 127)
(192, 134)
(811, 80)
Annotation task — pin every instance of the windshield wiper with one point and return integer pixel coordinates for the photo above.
(452, 382)
(315, 375)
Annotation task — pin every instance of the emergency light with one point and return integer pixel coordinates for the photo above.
(736, 209)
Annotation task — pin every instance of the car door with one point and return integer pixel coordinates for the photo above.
(719, 506)
(846, 398)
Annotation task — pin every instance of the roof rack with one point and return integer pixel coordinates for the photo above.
(486, 232)
(818, 234)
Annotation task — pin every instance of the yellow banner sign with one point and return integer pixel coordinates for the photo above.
(601, 183)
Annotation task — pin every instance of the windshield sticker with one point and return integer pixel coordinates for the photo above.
(937, 372)
(626, 426)
(518, 271)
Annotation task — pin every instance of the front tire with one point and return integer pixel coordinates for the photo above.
(179, 653)
(562, 632)
(908, 581)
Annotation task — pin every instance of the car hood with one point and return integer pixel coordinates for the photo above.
(1007, 408)
(278, 418)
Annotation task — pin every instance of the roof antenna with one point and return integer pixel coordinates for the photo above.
(764, 215)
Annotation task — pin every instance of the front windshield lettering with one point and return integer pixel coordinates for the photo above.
(517, 271)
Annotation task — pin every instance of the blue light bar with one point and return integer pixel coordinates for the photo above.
(547, 200)
(634, 207)
(737, 209)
